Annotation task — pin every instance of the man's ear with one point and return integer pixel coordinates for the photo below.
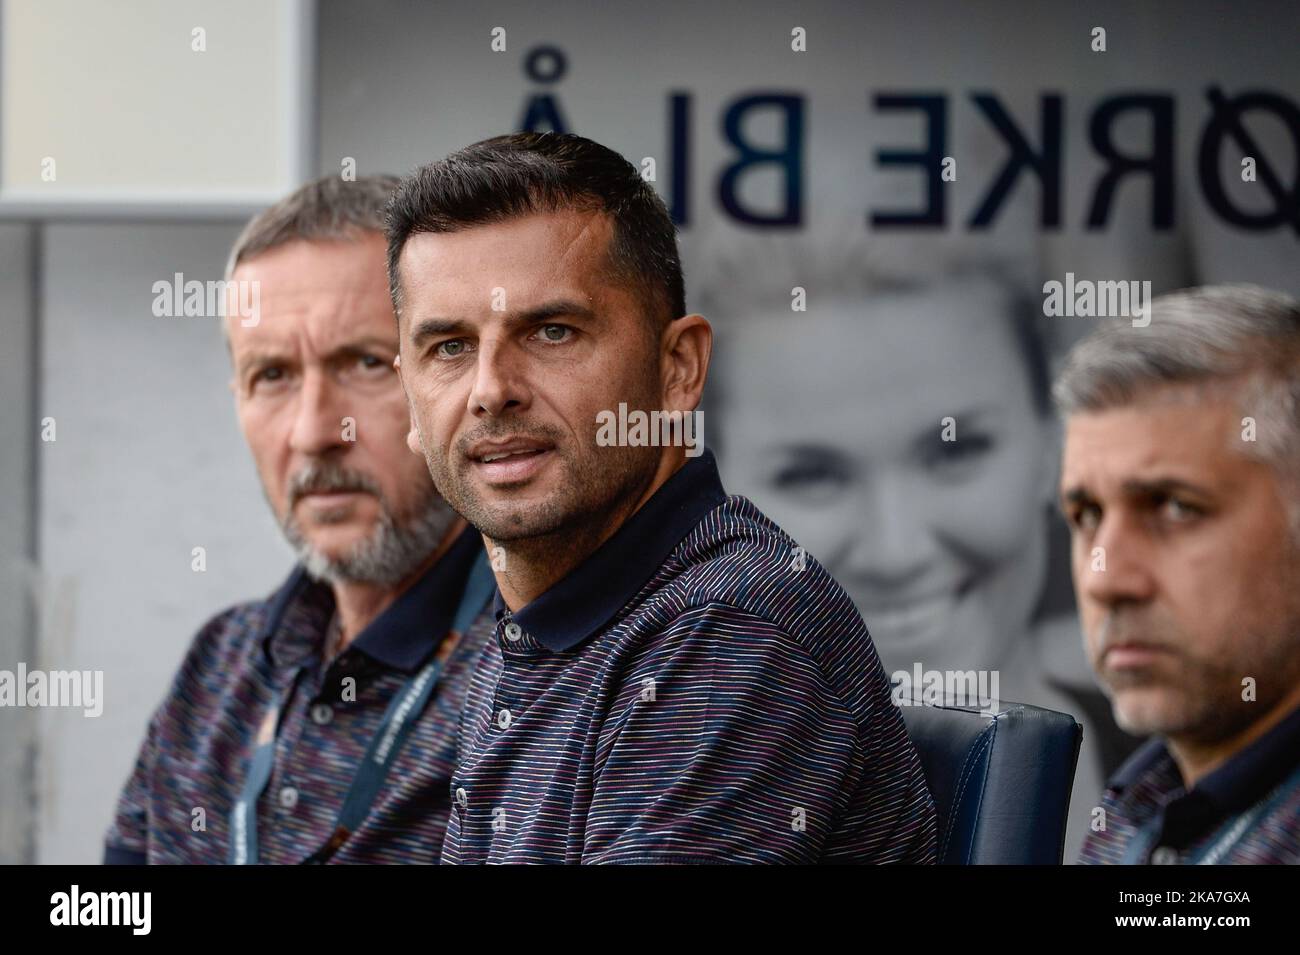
(687, 347)
(412, 435)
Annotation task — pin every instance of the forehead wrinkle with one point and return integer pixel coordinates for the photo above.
(591, 222)
(1147, 467)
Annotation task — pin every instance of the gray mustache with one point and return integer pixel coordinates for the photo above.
(329, 477)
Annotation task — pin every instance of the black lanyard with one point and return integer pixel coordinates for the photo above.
(382, 752)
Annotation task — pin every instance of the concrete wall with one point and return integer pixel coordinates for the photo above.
(18, 343)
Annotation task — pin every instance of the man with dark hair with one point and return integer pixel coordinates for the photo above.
(320, 723)
(1181, 485)
(671, 678)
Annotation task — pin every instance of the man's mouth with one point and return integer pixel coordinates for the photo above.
(509, 462)
(489, 458)
(329, 498)
(1131, 656)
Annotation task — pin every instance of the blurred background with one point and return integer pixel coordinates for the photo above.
(799, 147)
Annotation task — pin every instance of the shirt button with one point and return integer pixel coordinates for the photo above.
(462, 798)
(288, 797)
(322, 713)
(1165, 855)
(513, 632)
(503, 719)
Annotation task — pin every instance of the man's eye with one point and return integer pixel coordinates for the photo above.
(371, 361)
(453, 348)
(1179, 512)
(555, 333)
(271, 373)
(1085, 518)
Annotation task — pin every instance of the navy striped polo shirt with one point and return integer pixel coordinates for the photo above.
(177, 805)
(1246, 812)
(698, 690)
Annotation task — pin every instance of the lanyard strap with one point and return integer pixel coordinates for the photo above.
(1226, 836)
(243, 823)
(1215, 851)
(384, 746)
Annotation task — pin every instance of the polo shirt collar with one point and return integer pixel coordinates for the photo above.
(297, 616)
(1251, 773)
(1143, 759)
(580, 604)
(401, 637)
(1239, 782)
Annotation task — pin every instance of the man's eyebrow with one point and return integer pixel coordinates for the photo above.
(555, 309)
(1137, 488)
(435, 326)
(362, 344)
(1075, 495)
(258, 357)
(1159, 487)
(264, 355)
(428, 328)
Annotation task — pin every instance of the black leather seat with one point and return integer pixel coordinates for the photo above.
(1001, 784)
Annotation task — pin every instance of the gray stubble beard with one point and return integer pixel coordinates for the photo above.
(389, 554)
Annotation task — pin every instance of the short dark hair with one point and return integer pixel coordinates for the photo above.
(506, 177)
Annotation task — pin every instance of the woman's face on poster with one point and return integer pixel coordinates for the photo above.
(897, 440)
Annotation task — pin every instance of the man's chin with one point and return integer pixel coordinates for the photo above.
(1153, 709)
(328, 564)
(515, 527)
(333, 543)
(1139, 721)
(515, 520)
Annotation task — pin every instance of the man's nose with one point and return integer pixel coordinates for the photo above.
(318, 416)
(1115, 565)
(499, 379)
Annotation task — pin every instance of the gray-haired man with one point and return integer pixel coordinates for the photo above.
(319, 724)
(1181, 484)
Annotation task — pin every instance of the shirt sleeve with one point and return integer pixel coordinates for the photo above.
(725, 743)
(127, 840)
